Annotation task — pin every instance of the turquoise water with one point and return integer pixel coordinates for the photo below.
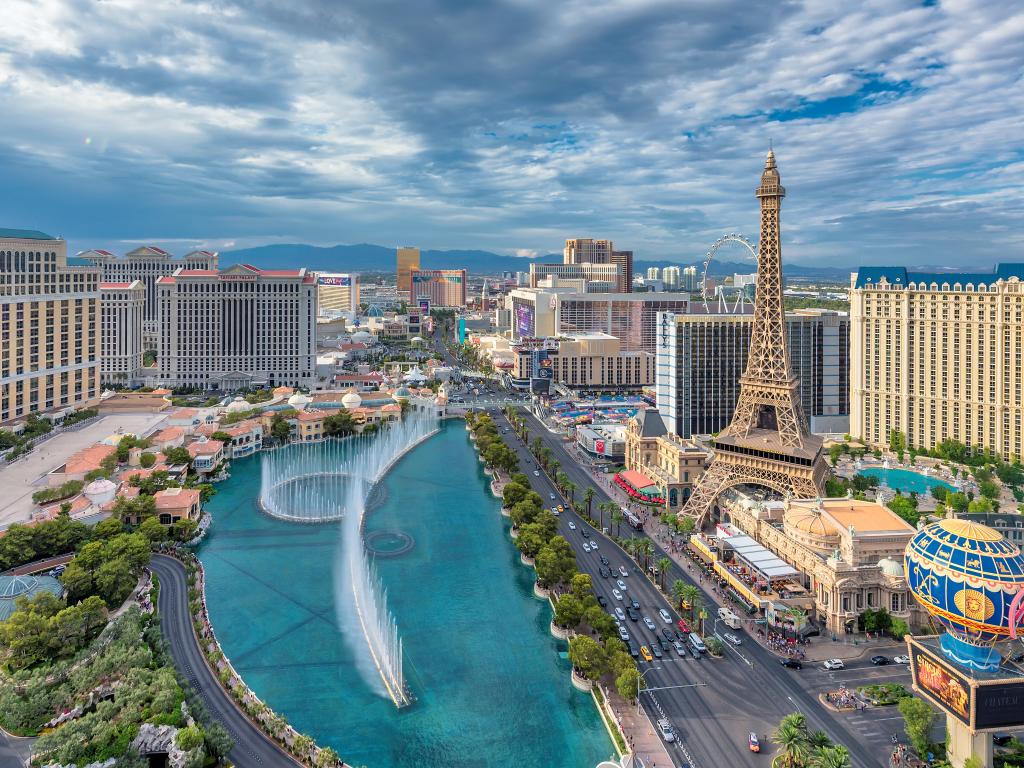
(905, 480)
(493, 690)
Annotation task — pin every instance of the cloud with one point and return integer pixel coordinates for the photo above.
(513, 125)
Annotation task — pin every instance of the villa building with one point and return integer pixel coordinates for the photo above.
(658, 463)
(206, 455)
(848, 555)
(50, 315)
(174, 504)
(938, 356)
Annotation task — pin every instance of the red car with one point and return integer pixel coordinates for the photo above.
(684, 626)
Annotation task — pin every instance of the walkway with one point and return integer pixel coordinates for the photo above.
(644, 743)
(253, 748)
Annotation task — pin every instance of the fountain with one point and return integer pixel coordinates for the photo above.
(330, 481)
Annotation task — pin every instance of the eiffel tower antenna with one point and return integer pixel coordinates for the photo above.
(767, 443)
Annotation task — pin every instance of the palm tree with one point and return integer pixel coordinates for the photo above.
(617, 519)
(570, 488)
(648, 547)
(663, 565)
(793, 742)
(678, 589)
(819, 739)
(831, 757)
(689, 594)
(588, 496)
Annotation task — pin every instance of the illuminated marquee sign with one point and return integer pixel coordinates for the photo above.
(948, 689)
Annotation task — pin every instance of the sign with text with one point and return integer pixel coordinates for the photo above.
(999, 705)
(343, 281)
(948, 689)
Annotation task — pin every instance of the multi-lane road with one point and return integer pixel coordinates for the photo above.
(713, 704)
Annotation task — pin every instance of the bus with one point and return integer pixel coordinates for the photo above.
(632, 519)
(729, 618)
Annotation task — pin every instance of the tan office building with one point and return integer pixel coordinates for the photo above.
(50, 315)
(584, 362)
(938, 356)
(122, 306)
(408, 259)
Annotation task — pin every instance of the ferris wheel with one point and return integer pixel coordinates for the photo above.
(721, 293)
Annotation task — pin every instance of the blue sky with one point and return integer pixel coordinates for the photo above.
(511, 126)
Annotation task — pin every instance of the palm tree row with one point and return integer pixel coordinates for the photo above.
(799, 748)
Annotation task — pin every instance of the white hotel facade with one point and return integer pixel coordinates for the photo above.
(121, 311)
(236, 328)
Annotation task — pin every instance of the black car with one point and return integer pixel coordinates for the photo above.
(634, 604)
(668, 633)
(682, 636)
(633, 650)
(604, 560)
(665, 644)
(584, 532)
(656, 650)
(880, 661)
(605, 573)
(633, 615)
(601, 601)
(792, 663)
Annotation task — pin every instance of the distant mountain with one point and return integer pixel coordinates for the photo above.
(366, 257)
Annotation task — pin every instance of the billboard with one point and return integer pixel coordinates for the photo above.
(599, 447)
(542, 365)
(434, 277)
(344, 281)
(424, 304)
(936, 680)
(999, 705)
(524, 320)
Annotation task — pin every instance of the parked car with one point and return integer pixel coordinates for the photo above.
(665, 729)
(834, 664)
(620, 614)
(880, 660)
(791, 663)
(645, 652)
(901, 659)
(665, 616)
(648, 622)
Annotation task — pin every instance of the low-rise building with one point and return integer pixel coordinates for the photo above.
(206, 455)
(82, 463)
(849, 553)
(168, 437)
(583, 363)
(174, 504)
(603, 441)
(660, 465)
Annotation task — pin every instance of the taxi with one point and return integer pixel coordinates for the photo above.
(646, 653)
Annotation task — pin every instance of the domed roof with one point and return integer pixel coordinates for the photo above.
(17, 586)
(809, 521)
(966, 575)
(239, 405)
(374, 310)
(890, 567)
(361, 337)
(401, 394)
(13, 587)
(298, 401)
(351, 399)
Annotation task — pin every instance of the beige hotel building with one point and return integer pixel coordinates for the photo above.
(122, 306)
(938, 356)
(50, 316)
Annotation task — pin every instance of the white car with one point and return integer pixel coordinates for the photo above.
(536, 473)
(551, 496)
(593, 545)
(586, 547)
(649, 623)
(834, 664)
(901, 659)
(623, 571)
(572, 526)
(732, 638)
(665, 616)
(624, 634)
(616, 594)
(665, 728)
(621, 584)
(620, 614)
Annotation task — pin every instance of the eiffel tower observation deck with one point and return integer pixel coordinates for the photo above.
(767, 443)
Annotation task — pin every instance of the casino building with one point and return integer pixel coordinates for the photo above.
(122, 307)
(441, 287)
(238, 327)
(337, 293)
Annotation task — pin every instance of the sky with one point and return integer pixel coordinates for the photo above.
(510, 126)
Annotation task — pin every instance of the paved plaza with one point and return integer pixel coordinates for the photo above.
(23, 477)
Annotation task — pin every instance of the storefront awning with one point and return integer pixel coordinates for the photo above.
(760, 559)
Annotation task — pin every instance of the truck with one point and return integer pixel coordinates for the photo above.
(728, 618)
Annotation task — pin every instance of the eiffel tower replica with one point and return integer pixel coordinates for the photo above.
(767, 443)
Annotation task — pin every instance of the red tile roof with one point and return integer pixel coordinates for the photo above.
(176, 498)
(114, 286)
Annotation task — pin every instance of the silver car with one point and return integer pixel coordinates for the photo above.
(665, 729)
(621, 585)
(649, 623)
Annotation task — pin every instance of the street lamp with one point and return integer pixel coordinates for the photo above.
(640, 680)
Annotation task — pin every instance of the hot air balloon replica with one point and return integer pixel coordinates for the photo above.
(971, 580)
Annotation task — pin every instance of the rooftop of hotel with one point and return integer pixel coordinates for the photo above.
(89, 458)
(900, 277)
(864, 516)
(24, 234)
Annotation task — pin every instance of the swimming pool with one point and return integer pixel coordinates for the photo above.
(906, 480)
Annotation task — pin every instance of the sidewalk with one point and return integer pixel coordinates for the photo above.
(639, 732)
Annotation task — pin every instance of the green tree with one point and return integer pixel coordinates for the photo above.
(989, 489)
(588, 497)
(512, 494)
(628, 682)
(115, 580)
(957, 501)
(903, 507)
(530, 541)
(582, 586)
(112, 526)
(177, 455)
(326, 758)
(190, 737)
(686, 526)
(918, 717)
(831, 757)
(556, 562)
(588, 657)
(218, 741)
(280, 429)
(568, 611)
(664, 564)
(792, 738)
(834, 453)
(981, 506)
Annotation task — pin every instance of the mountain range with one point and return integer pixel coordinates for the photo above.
(366, 257)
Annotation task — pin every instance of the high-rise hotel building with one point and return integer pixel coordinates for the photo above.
(407, 259)
(122, 306)
(337, 293)
(441, 287)
(147, 264)
(938, 356)
(238, 327)
(700, 358)
(49, 316)
(581, 259)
